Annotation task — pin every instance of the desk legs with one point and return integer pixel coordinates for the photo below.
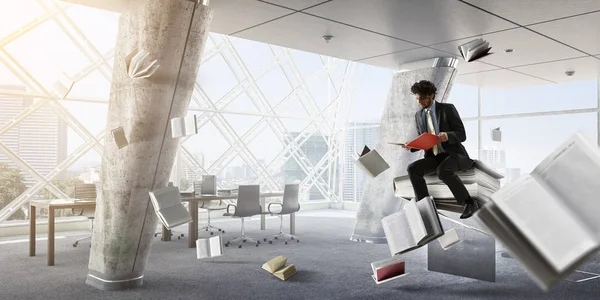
(51, 236)
(32, 220)
(292, 223)
(166, 234)
(262, 215)
(193, 226)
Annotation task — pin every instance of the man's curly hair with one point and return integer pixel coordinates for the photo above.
(424, 88)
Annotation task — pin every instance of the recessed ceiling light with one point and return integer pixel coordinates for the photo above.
(509, 50)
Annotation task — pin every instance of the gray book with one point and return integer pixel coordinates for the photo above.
(209, 247)
(168, 207)
(412, 227)
(371, 162)
(549, 219)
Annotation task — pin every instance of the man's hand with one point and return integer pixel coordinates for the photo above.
(405, 147)
(442, 137)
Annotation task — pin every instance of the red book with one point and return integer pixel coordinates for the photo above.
(425, 141)
(387, 269)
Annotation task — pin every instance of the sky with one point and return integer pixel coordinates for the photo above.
(47, 53)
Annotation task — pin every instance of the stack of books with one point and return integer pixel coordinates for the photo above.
(548, 219)
(480, 181)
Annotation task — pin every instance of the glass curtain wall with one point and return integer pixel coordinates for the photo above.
(266, 115)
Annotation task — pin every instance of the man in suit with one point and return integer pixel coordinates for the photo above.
(449, 155)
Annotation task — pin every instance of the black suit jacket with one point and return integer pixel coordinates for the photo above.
(449, 122)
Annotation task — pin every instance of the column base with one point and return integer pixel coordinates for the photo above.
(114, 285)
(368, 239)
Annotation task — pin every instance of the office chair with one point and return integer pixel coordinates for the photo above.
(85, 192)
(198, 188)
(248, 204)
(288, 206)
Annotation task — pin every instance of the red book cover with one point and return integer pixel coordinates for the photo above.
(390, 271)
(425, 141)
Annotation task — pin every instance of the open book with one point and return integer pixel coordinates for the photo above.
(168, 207)
(474, 50)
(63, 86)
(210, 247)
(424, 141)
(184, 126)
(277, 267)
(371, 162)
(549, 219)
(388, 269)
(414, 226)
(138, 65)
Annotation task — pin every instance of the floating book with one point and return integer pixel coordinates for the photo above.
(207, 186)
(371, 162)
(184, 126)
(424, 141)
(548, 219)
(414, 226)
(119, 137)
(496, 135)
(277, 267)
(449, 239)
(474, 50)
(210, 247)
(138, 65)
(388, 269)
(480, 181)
(168, 207)
(63, 86)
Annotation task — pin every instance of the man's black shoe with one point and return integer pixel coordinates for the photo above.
(470, 209)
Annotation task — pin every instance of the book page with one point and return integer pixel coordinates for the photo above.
(397, 231)
(202, 248)
(545, 222)
(216, 246)
(415, 220)
(573, 173)
(276, 263)
(431, 220)
(175, 216)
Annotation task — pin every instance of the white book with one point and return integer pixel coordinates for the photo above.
(412, 227)
(549, 219)
(371, 162)
(63, 86)
(138, 65)
(496, 135)
(168, 207)
(181, 127)
(210, 247)
(474, 50)
(449, 239)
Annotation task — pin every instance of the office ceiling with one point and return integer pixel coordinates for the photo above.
(549, 37)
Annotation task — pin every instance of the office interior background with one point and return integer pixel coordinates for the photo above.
(251, 99)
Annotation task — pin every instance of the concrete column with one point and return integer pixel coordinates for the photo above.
(397, 125)
(174, 32)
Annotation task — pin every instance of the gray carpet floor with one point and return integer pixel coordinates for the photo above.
(329, 265)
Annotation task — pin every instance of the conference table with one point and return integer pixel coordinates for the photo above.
(193, 207)
(51, 205)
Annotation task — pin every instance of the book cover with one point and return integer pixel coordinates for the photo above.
(424, 141)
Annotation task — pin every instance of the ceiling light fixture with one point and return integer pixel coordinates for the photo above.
(328, 38)
(509, 50)
(569, 73)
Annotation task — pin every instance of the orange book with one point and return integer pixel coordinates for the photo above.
(425, 141)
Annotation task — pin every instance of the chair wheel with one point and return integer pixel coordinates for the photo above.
(226, 245)
(240, 246)
(297, 241)
(206, 229)
(75, 245)
(257, 245)
(223, 231)
(178, 237)
(156, 234)
(212, 233)
(292, 238)
(220, 230)
(270, 242)
(275, 237)
(244, 241)
(286, 242)
(265, 239)
(182, 235)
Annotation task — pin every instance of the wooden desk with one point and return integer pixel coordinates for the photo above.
(51, 205)
(193, 200)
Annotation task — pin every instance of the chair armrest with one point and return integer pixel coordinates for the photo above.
(269, 207)
(228, 213)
